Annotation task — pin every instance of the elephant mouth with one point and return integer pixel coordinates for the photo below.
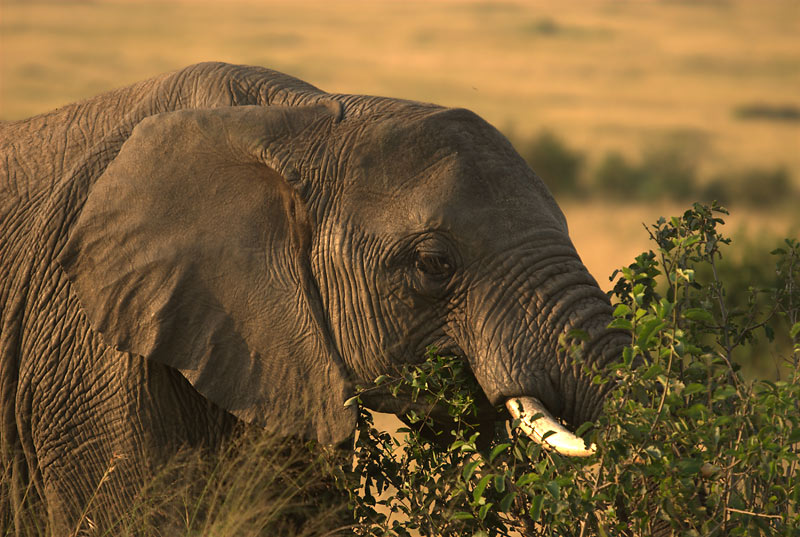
(537, 422)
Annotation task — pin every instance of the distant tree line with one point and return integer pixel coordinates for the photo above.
(665, 172)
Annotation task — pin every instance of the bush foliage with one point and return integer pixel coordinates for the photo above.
(665, 171)
(557, 164)
(686, 445)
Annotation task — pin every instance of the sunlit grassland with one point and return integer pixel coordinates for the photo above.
(603, 75)
(608, 236)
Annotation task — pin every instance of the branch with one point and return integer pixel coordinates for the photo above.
(741, 512)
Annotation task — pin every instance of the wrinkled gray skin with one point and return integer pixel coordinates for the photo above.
(229, 243)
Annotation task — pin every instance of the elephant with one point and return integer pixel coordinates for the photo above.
(227, 244)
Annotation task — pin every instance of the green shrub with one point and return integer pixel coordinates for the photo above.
(686, 445)
(558, 165)
(750, 276)
(669, 170)
(770, 112)
(756, 186)
(718, 189)
(762, 187)
(665, 171)
(543, 26)
(616, 178)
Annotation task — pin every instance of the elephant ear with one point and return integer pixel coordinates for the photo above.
(192, 250)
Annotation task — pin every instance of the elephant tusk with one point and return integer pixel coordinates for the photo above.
(561, 439)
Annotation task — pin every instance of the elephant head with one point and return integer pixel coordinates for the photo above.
(279, 255)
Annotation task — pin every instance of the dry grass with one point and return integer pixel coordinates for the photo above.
(258, 484)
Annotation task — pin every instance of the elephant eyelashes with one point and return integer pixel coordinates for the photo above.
(434, 265)
(433, 271)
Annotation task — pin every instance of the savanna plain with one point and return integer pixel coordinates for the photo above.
(628, 110)
(711, 87)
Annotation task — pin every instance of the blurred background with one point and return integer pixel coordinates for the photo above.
(629, 110)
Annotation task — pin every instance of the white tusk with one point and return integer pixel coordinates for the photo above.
(561, 440)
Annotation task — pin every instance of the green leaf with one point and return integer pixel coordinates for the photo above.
(484, 509)
(353, 401)
(583, 428)
(461, 515)
(722, 421)
(697, 411)
(652, 372)
(653, 451)
(647, 331)
(769, 332)
(497, 450)
(477, 494)
(623, 324)
(621, 310)
(577, 333)
(469, 469)
(381, 379)
(536, 507)
(723, 392)
(500, 483)
(468, 447)
(693, 388)
(553, 488)
(526, 479)
(795, 330)
(664, 308)
(698, 314)
(689, 467)
(627, 356)
(505, 503)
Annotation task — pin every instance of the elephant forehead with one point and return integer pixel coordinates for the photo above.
(412, 181)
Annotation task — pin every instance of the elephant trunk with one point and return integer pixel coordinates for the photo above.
(585, 405)
(528, 367)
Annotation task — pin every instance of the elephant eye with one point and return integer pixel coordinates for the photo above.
(431, 264)
(435, 265)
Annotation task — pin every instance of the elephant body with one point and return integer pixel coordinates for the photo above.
(228, 243)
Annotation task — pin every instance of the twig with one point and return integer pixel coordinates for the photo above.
(594, 490)
(664, 393)
(760, 515)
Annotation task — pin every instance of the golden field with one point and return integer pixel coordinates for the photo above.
(603, 75)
